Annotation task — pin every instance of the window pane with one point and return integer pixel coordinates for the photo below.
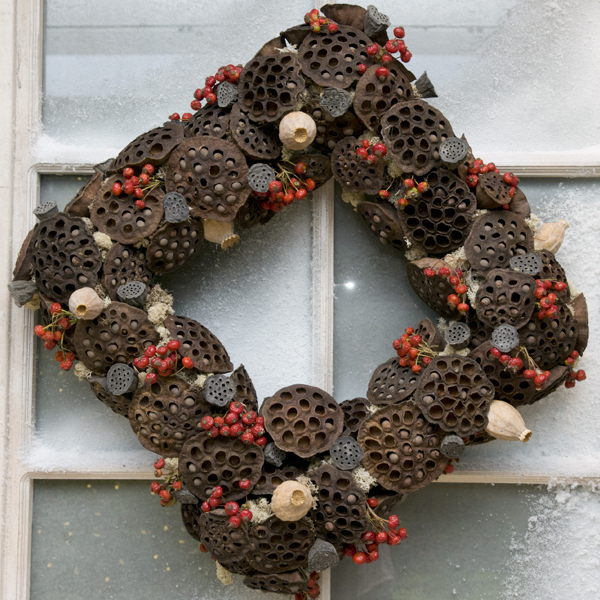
(112, 539)
(374, 303)
(495, 64)
(117, 68)
(255, 297)
(485, 542)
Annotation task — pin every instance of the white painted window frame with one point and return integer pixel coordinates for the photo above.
(21, 29)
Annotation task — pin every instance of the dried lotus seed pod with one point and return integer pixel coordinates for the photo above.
(133, 293)
(219, 390)
(121, 379)
(274, 455)
(175, 207)
(452, 446)
(45, 211)
(505, 338)
(346, 453)
(458, 335)
(260, 176)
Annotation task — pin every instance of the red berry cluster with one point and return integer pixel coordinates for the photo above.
(237, 423)
(547, 299)
(574, 376)
(317, 22)
(165, 489)
(459, 299)
(371, 153)
(515, 364)
(52, 334)
(287, 188)
(412, 191)
(411, 349)
(177, 117)
(313, 588)
(135, 185)
(162, 361)
(229, 73)
(476, 167)
(367, 552)
(397, 45)
(232, 509)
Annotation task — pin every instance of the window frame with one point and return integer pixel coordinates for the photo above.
(21, 31)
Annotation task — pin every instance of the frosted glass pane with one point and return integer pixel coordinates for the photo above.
(112, 539)
(498, 68)
(117, 68)
(374, 303)
(256, 298)
(485, 542)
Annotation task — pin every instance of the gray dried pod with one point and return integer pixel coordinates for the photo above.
(530, 263)
(453, 152)
(227, 94)
(346, 453)
(424, 87)
(121, 379)
(505, 338)
(219, 390)
(322, 555)
(458, 335)
(335, 102)
(45, 211)
(260, 176)
(274, 455)
(22, 291)
(184, 496)
(375, 21)
(133, 293)
(175, 207)
(452, 446)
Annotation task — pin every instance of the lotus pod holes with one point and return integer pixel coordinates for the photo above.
(346, 453)
(453, 152)
(452, 446)
(336, 102)
(274, 455)
(227, 94)
(260, 176)
(133, 292)
(219, 390)
(209, 120)
(375, 21)
(505, 338)
(530, 263)
(45, 211)
(457, 335)
(175, 207)
(322, 556)
(121, 379)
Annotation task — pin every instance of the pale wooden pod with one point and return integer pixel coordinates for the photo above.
(220, 232)
(291, 501)
(550, 236)
(506, 423)
(297, 130)
(85, 304)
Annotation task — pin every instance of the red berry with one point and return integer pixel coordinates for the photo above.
(382, 73)
(399, 32)
(560, 286)
(504, 358)
(529, 374)
(66, 365)
(372, 502)
(300, 168)
(381, 537)
(461, 288)
(245, 484)
(116, 188)
(224, 431)
(472, 180)
(155, 487)
(261, 441)
(393, 521)
(539, 381)
(349, 549)
(428, 272)
(332, 27)
(402, 533)
(516, 364)
(165, 495)
(368, 536)
(363, 153)
(55, 308)
(379, 149)
(207, 422)
(580, 375)
(232, 508)
(453, 299)
(405, 56)
(247, 438)
(231, 418)
(361, 68)
(360, 558)
(257, 430)
(373, 49)
(463, 307)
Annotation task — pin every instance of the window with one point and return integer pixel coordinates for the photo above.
(86, 78)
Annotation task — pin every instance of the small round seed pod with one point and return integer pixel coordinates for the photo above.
(175, 207)
(133, 293)
(297, 130)
(219, 390)
(322, 555)
(85, 304)
(274, 455)
(452, 446)
(458, 335)
(453, 152)
(506, 423)
(121, 379)
(291, 501)
(505, 338)
(45, 211)
(346, 453)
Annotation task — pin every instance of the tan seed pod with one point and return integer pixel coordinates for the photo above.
(297, 130)
(550, 236)
(291, 501)
(85, 303)
(506, 423)
(220, 232)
